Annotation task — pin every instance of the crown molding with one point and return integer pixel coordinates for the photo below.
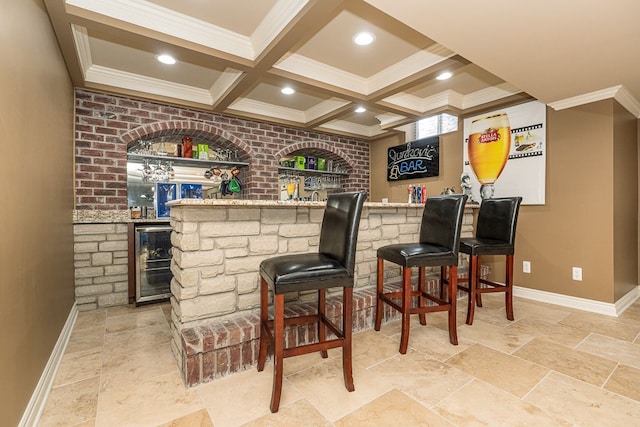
(274, 22)
(153, 17)
(323, 108)
(319, 71)
(619, 93)
(352, 128)
(268, 110)
(83, 48)
(412, 64)
(388, 119)
(116, 78)
(223, 83)
(489, 94)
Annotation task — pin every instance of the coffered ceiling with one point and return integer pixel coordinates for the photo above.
(234, 57)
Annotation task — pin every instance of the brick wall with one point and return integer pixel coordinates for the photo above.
(106, 125)
(101, 265)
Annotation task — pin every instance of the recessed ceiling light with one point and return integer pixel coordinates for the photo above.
(288, 90)
(363, 38)
(166, 59)
(360, 110)
(444, 76)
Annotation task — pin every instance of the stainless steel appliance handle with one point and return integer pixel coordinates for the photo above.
(153, 229)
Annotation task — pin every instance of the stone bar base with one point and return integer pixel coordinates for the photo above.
(220, 348)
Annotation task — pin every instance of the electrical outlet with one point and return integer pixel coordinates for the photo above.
(576, 273)
(526, 267)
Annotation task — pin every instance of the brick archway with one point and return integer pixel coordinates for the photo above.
(194, 129)
(337, 154)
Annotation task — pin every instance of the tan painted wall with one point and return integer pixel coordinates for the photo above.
(625, 143)
(36, 169)
(450, 169)
(575, 227)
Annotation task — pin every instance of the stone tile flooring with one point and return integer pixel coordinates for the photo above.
(552, 366)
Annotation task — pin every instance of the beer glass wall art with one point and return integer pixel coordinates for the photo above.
(504, 153)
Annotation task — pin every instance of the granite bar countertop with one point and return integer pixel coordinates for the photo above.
(124, 215)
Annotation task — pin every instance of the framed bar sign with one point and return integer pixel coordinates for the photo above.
(416, 159)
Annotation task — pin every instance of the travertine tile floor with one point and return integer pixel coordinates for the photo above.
(552, 366)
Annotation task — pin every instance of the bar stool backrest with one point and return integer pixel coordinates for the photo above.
(340, 223)
(497, 219)
(442, 221)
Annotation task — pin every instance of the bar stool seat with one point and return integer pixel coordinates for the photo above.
(438, 246)
(332, 266)
(495, 235)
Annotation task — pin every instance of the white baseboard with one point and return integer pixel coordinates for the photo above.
(610, 309)
(38, 400)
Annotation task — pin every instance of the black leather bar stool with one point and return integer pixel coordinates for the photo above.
(438, 246)
(332, 266)
(495, 235)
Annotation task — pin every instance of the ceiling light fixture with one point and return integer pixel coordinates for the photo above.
(166, 59)
(363, 38)
(288, 90)
(444, 76)
(360, 110)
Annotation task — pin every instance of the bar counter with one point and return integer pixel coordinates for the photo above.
(217, 249)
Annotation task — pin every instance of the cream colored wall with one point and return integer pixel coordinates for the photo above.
(450, 168)
(584, 222)
(36, 169)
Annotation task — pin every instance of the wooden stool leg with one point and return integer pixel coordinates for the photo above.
(473, 284)
(509, 287)
(278, 350)
(379, 290)
(264, 317)
(347, 331)
(453, 291)
(406, 309)
(422, 287)
(322, 330)
(477, 279)
(443, 280)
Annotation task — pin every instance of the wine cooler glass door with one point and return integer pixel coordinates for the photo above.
(153, 263)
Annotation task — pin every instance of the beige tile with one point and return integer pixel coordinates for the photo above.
(625, 381)
(499, 369)
(88, 339)
(393, 409)
(135, 320)
(90, 319)
(631, 315)
(539, 311)
(491, 335)
(121, 368)
(480, 404)
(243, 396)
(78, 366)
(583, 404)
(295, 364)
(434, 342)
(137, 339)
(577, 364)
(197, 419)
(130, 309)
(298, 413)
(566, 335)
(371, 347)
(601, 324)
(147, 403)
(88, 423)
(323, 386)
(611, 348)
(71, 404)
(421, 377)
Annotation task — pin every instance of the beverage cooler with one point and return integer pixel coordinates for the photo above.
(153, 263)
